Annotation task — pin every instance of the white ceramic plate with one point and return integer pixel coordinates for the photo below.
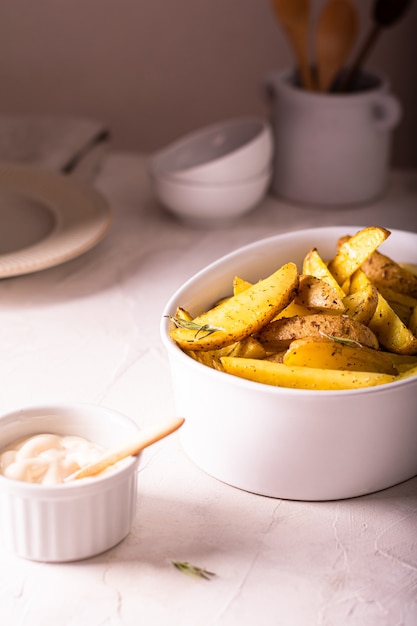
(46, 219)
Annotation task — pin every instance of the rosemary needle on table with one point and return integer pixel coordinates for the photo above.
(193, 570)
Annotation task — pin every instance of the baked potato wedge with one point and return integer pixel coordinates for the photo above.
(354, 251)
(316, 293)
(314, 265)
(238, 316)
(408, 373)
(391, 295)
(410, 267)
(248, 348)
(280, 375)
(276, 357)
(239, 285)
(331, 354)
(294, 309)
(402, 311)
(280, 333)
(403, 362)
(412, 321)
(183, 314)
(360, 304)
(391, 332)
(346, 324)
(402, 303)
(386, 273)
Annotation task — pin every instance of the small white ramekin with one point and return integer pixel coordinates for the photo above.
(78, 519)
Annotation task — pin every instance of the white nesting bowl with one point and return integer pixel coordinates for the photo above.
(281, 442)
(226, 152)
(74, 520)
(211, 205)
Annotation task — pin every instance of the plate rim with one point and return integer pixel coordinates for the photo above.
(73, 232)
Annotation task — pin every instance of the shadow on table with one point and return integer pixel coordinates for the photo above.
(168, 530)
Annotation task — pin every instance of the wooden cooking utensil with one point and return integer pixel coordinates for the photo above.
(294, 17)
(337, 30)
(385, 14)
(144, 439)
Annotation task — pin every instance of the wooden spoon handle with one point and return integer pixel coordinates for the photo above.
(348, 80)
(304, 69)
(146, 438)
(336, 34)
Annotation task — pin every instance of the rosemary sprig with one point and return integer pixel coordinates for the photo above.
(193, 570)
(201, 330)
(345, 340)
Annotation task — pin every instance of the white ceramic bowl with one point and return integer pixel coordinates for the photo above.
(211, 205)
(77, 519)
(226, 152)
(288, 443)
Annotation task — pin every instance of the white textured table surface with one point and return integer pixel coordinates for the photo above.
(88, 331)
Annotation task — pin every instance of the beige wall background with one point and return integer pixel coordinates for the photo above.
(155, 69)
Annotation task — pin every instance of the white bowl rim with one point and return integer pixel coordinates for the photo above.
(55, 490)
(176, 351)
(166, 178)
(263, 126)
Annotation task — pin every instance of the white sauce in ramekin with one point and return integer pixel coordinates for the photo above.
(46, 458)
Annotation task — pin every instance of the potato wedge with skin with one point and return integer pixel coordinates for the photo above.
(280, 333)
(354, 251)
(241, 315)
(329, 354)
(408, 373)
(314, 265)
(249, 347)
(386, 273)
(317, 294)
(281, 375)
(361, 305)
(392, 333)
(361, 302)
